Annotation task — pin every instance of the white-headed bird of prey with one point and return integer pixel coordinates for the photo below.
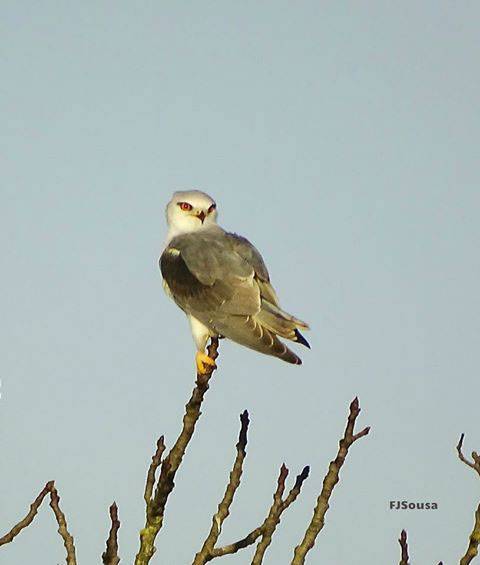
(220, 281)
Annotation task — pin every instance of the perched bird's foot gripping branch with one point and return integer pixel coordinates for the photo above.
(204, 363)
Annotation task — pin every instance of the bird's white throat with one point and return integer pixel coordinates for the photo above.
(189, 225)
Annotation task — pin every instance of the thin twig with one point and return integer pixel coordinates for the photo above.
(110, 556)
(271, 521)
(249, 539)
(404, 546)
(59, 515)
(224, 507)
(155, 507)
(7, 538)
(474, 540)
(329, 482)
(154, 465)
(62, 527)
(278, 507)
(476, 458)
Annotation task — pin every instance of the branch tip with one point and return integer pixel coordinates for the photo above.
(110, 555)
(62, 526)
(404, 547)
(303, 476)
(476, 458)
(282, 478)
(242, 436)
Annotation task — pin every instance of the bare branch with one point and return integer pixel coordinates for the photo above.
(155, 507)
(267, 529)
(154, 465)
(224, 507)
(404, 546)
(476, 458)
(272, 519)
(472, 549)
(7, 538)
(59, 515)
(276, 510)
(295, 491)
(249, 539)
(62, 527)
(110, 556)
(329, 482)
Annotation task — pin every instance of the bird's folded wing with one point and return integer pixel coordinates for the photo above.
(205, 274)
(251, 254)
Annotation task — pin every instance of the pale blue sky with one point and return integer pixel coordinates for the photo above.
(343, 140)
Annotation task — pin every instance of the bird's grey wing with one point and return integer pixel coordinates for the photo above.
(205, 276)
(271, 316)
(208, 279)
(253, 257)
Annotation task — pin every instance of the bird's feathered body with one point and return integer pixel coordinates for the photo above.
(220, 281)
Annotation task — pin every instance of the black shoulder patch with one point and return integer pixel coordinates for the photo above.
(175, 271)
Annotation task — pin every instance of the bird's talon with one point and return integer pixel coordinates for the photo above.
(202, 360)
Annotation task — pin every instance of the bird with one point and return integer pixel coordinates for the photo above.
(221, 282)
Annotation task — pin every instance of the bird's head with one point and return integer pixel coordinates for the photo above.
(190, 210)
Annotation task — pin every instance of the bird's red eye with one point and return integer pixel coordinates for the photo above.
(212, 208)
(185, 206)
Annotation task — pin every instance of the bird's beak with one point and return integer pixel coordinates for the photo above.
(201, 216)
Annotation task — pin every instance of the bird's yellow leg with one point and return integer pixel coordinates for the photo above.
(202, 359)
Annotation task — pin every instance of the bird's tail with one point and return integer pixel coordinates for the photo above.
(249, 331)
(282, 324)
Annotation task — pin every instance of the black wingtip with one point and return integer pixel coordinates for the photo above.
(301, 339)
(290, 357)
(294, 360)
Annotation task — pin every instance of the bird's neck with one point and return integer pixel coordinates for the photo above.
(176, 230)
